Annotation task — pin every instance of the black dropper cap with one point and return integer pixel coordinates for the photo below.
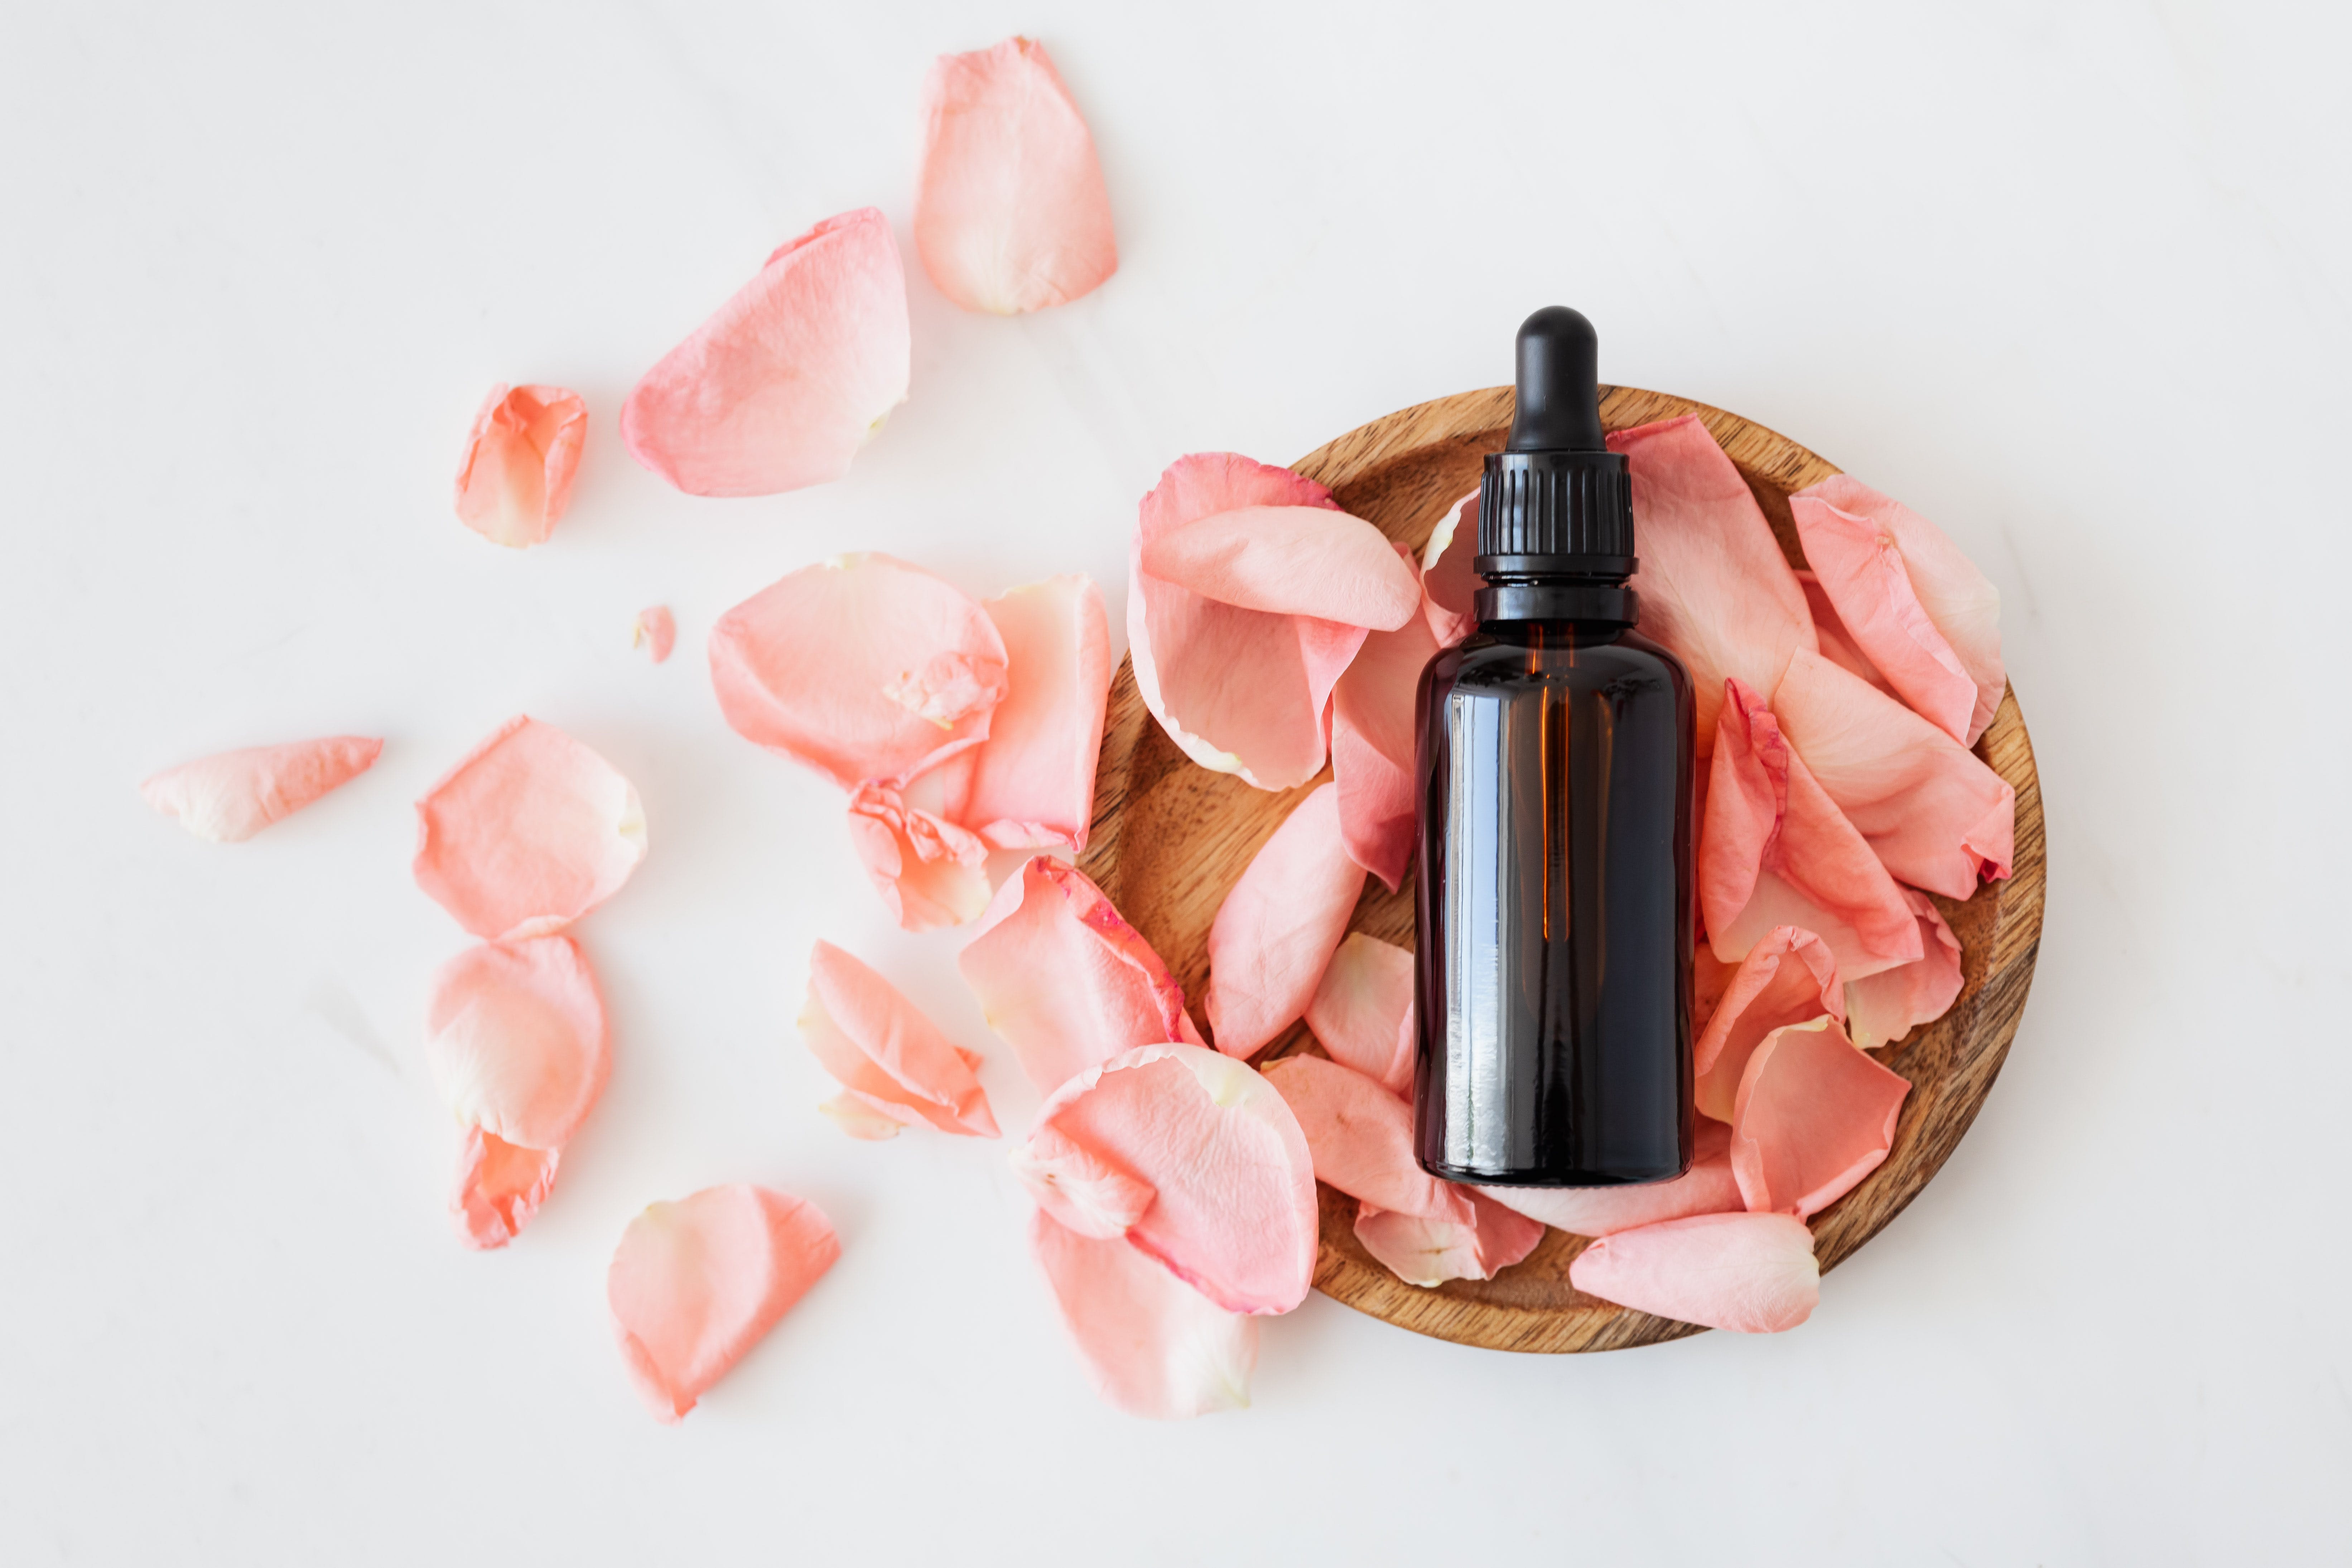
(1556, 502)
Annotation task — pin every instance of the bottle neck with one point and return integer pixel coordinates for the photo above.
(1591, 601)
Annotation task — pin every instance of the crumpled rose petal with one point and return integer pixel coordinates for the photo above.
(1708, 1188)
(861, 666)
(230, 796)
(1081, 1187)
(1775, 850)
(880, 1046)
(528, 833)
(1240, 691)
(1858, 539)
(499, 1187)
(1032, 784)
(787, 380)
(1786, 978)
(1814, 1116)
(1309, 560)
(1887, 1005)
(1064, 979)
(1362, 1137)
(1935, 815)
(1151, 1345)
(1429, 1252)
(1362, 1011)
(655, 631)
(930, 872)
(516, 1039)
(695, 1284)
(1236, 1213)
(520, 459)
(1830, 632)
(1449, 583)
(1372, 725)
(1748, 1273)
(1011, 213)
(1278, 927)
(1715, 588)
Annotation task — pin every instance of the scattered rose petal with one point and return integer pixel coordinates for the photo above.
(1240, 691)
(1235, 1215)
(1885, 1006)
(860, 1118)
(1362, 1011)
(1786, 978)
(787, 380)
(1814, 1116)
(230, 796)
(1429, 1252)
(1748, 1273)
(1855, 538)
(1361, 1138)
(520, 461)
(1449, 582)
(930, 872)
(1837, 645)
(1307, 559)
(1152, 1345)
(695, 1284)
(528, 833)
(516, 1039)
(1011, 214)
(861, 666)
(1372, 723)
(1278, 927)
(656, 632)
(1064, 979)
(1082, 1188)
(499, 1187)
(1708, 1188)
(1032, 784)
(880, 1047)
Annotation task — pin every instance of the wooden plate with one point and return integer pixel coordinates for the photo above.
(1171, 838)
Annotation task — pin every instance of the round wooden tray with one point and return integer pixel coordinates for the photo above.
(1171, 838)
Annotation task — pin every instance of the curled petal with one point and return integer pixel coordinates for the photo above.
(1372, 747)
(1278, 928)
(930, 872)
(1449, 583)
(1362, 1137)
(230, 796)
(1748, 1273)
(1429, 1252)
(1032, 784)
(516, 1041)
(520, 461)
(1885, 1006)
(878, 1044)
(787, 380)
(861, 666)
(1064, 979)
(1011, 214)
(1081, 1187)
(695, 1284)
(499, 1187)
(867, 1120)
(655, 631)
(1309, 560)
(1814, 1116)
(1787, 978)
(1235, 1215)
(1708, 1188)
(1152, 1345)
(1836, 644)
(528, 833)
(1860, 571)
(1362, 1011)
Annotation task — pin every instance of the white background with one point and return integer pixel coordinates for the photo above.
(2075, 281)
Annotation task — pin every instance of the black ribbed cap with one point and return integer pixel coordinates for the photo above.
(1556, 502)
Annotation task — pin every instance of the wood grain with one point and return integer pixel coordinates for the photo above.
(1171, 838)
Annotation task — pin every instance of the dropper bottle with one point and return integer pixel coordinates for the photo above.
(1555, 750)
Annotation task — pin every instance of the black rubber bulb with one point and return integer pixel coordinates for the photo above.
(1560, 384)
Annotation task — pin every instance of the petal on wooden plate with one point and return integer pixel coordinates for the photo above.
(1362, 1012)
(1279, 925)
(520, 459)
(1429, 1252)
(1030, 786)
(1836, 644)
(499, 1187)
(1708, 1188)
(1787, 978)
(1310, 560)
(1151, 1345)
(1887, 1005)
(1449, 582)
(1748, 1273)
(1361, 1138)
(1372, 724)
(930, 872)
(230, 796)
(874, 1042)
(516, 1039)
(1814, 1116)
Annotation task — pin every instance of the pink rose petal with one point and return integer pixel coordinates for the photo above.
(1278, 928)
(1032, 784)
(1362, 1011)
(695, 1284)
(1235, 1215)
(528, 833)
(520, 461)
(1064, 979)
(1151, 1345)
(1082, 1188)
(1240, 691)
(1449, 580)
(499, 1187)
(787, 380)
(930, 872)
(1748, 1273)
(881, 1047)
(1362, 1137)
(1011, 214)
(1311, 560)
(1836, 644)
(516, 1039)
(863, 1118)
(1814, 1116)
(1708, 1188)
(1429, 1252)
(1372, 724)
(655, 631)
(230, 796)
(1855, 538)
(1885, 1006)
(861, 666)
(1786, 978)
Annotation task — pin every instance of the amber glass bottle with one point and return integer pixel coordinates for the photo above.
(1554, 772)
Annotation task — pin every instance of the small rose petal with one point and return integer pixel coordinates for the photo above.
(1372, 724)
(1708, 1188)
(930, 872)
(1362, 1137)
(528, 833)
(1278, 927)
(656, 632)
(863, 1118)
(230, 796)
(499, 1187)
(1362, 1011)
(1064, 979)
(880, 1046)
(1836, 644)
(1236, 1213)
(1449, 582)
(1858, 541)
(1309, 560)
(1011, 214)
(1885, 1006)
(1429, 1252)
(1786, 978)
(1081, 1187)
(1814, 1116)
(1152, 1345)
(861, 666)
(520, 461)
(695, 1284)
(789, 378)
(1748, 1273)
(1240, 691)
(516, 1039)
(1032, 784)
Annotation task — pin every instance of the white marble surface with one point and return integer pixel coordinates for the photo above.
(2071, 279)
